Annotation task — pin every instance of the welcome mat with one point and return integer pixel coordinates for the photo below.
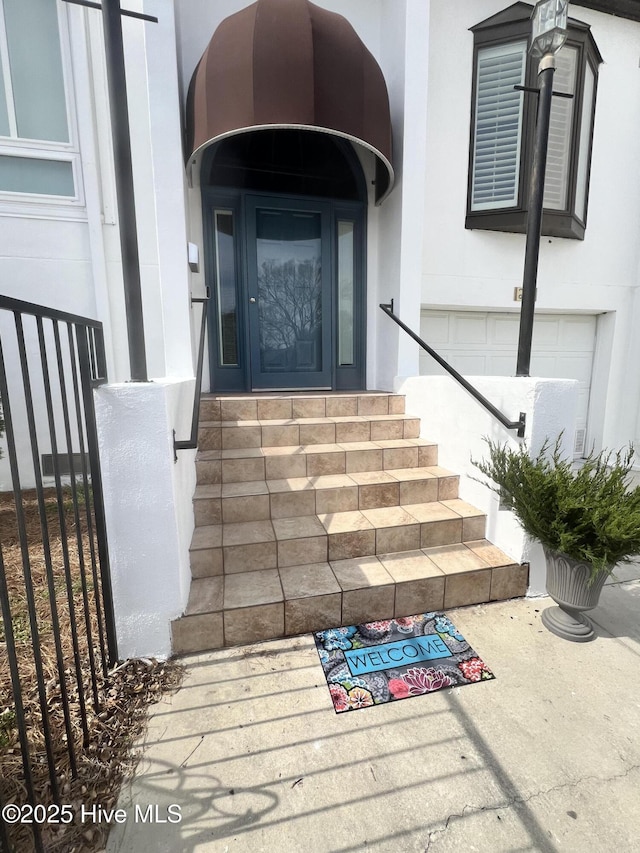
(394, 659)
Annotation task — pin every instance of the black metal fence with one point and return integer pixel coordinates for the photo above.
(57, 632)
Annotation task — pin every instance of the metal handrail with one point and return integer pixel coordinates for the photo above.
(518, 425)
(19, 306)
(86, 328)
(192, 442)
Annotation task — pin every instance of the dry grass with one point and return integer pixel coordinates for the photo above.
(107, 758)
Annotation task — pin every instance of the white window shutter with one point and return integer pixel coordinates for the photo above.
(557, 172)
(498, 126)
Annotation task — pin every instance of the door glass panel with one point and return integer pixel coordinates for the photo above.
(346, 277)
(289, 278)
(226, 287)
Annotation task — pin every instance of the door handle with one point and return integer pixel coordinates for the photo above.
(252, 299)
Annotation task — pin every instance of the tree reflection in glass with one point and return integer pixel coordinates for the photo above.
(289, 291)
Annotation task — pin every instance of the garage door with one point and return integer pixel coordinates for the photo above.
(486, 344)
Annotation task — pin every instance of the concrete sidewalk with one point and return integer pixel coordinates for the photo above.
(544, 758)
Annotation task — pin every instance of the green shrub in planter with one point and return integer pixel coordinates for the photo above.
(588, 513)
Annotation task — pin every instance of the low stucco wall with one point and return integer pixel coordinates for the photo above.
(458, 423)
(148, 508)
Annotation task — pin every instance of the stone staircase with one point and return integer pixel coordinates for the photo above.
(319, 510)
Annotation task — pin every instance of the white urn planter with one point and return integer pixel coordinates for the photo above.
(568, 585)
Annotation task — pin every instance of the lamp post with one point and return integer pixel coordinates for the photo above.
(548, 34)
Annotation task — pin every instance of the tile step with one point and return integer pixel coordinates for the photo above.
(286, 601)
(283, 406)
(230, 435)
(312, 460)
(242, 547)
(264, 499)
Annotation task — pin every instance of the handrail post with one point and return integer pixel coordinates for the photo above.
(192, 442)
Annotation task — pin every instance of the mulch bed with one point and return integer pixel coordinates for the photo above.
(124, 695)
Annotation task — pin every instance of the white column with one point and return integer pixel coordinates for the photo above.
(414, 190)
(147, 498)
(169, 186)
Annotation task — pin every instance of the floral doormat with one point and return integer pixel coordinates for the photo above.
(395, 659)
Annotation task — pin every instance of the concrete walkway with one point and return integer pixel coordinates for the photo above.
(544, 758)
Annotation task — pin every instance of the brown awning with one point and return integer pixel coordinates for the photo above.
(289, 63)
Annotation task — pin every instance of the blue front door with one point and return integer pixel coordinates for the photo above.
(286, 276)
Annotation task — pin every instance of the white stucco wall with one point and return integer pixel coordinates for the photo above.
(479, 269)
(147, 498)
(452, 418)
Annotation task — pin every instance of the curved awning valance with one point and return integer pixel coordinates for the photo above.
(290, 63)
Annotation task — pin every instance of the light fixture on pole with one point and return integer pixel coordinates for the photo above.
(548, 27)
(548, 34)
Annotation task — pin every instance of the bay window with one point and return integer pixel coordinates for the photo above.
(503, 125)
